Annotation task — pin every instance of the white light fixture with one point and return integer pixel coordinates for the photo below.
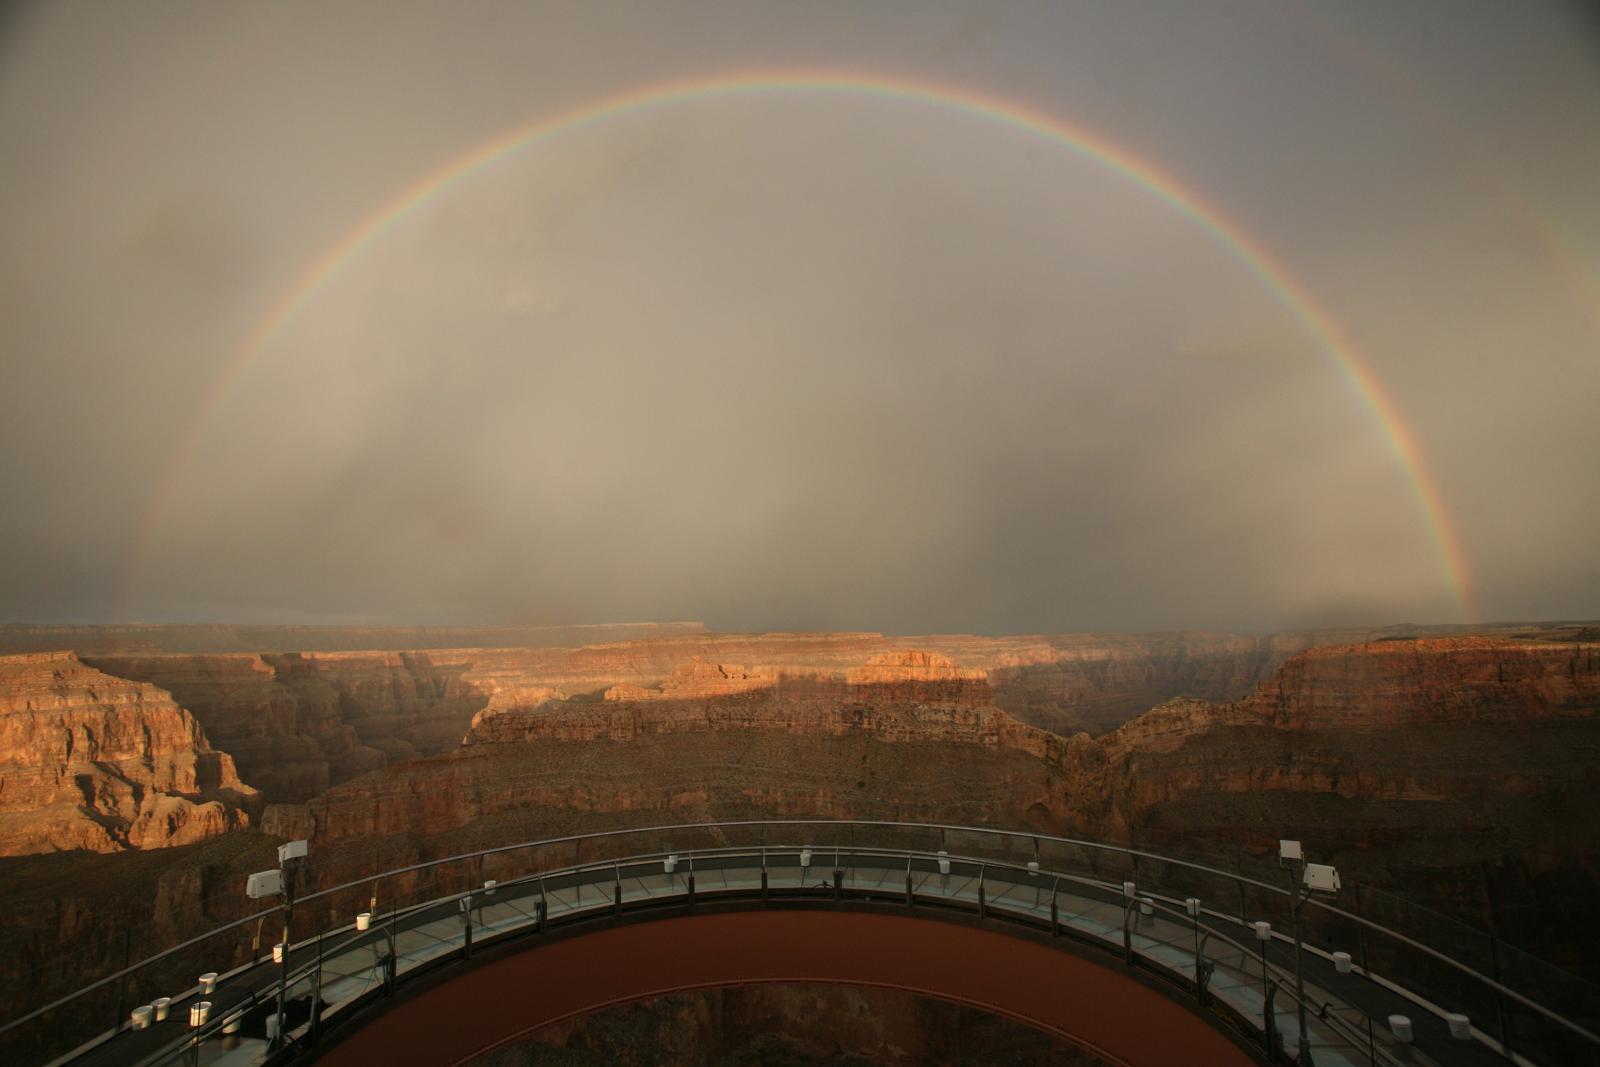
(231, 1024)
(1129, 890)
(277, 952)
(1263, 930)
(199, 1013)
(208, 982)
(805, 857)
(291, 850)
(264, 884)
(161, 1005)
(1033, 867)
(488, 887)
(944, 862)
(1321, 878)
(1290, 850)
(1192, 906)
(1400, 1027)
(1341, 962)
(364, 921)
(1460, 1026)
(670, 864)
(142, 1016)
(1147, 906)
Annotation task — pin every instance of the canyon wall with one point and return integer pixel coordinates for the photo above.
(89, 761)
(297, 723)
(781, 1024)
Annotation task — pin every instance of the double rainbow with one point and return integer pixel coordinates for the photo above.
(1356, 369)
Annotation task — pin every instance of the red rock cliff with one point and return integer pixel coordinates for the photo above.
(89, 761)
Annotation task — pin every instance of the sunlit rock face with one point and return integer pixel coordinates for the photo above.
(89, 761)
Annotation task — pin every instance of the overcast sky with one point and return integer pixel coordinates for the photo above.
(804, 359)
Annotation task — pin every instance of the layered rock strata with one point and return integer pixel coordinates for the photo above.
(89, 761)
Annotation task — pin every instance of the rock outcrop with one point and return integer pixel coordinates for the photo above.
(89, 761)
(297, 723)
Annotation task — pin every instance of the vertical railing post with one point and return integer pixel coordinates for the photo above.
(1501, 1022)
(616, 890)
(983, 896)
(1055, 908)
(392, 963)
(316, 994)
(122, 982)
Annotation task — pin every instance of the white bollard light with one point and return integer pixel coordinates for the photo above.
(805, 857)
(272, 1026)
(1033, 867)
(1460, 1026)
(1128, 890)
(1400, 1027)
(669, 864)
(208, 983)
(277, 952)
(944, 862)
(488, 887)
(1192, 906)
(199, 1013)
(142, 1016)
(161, 1004)
(1341, 962)
(1263, 930)
(231, 1024)
(364, 921)
(1147, 906)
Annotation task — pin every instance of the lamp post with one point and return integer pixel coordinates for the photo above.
(1304, 880)
(280, 883)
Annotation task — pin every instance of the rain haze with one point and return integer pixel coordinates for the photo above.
(904, 317)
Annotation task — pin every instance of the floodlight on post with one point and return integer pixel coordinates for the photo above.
(280, 883)
(1305, 879)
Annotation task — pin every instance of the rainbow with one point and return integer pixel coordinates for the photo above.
(1356, 369)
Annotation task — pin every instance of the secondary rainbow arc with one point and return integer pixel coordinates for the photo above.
(1355, 367)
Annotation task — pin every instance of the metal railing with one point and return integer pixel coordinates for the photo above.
(1514, 1025)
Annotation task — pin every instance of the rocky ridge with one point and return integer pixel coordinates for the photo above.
(91, 761)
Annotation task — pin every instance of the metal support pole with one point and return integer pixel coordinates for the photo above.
(1304, 1056)
(1127, 931)
(466, 928)
(838, 879)
(1055, 909)
(289, 872)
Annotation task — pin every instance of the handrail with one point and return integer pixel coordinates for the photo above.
(1102, 847)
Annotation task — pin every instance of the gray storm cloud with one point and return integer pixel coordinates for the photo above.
(798, 359)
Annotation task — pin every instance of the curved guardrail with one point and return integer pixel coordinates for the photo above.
(1173, 917)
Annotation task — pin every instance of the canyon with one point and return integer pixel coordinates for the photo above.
(1457, 770)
